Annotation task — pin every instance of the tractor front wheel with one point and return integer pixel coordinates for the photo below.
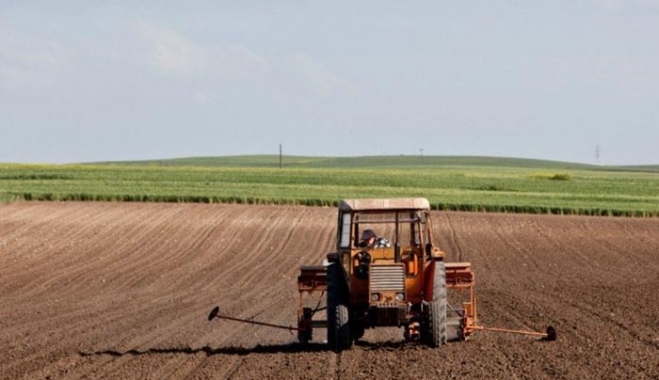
(436, 311)
(338, 323)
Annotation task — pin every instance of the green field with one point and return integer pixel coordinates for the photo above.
(450, 183)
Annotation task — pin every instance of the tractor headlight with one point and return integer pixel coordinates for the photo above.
(375, 297)
(400, 297)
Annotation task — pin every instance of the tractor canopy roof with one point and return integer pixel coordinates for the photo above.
(385, 204)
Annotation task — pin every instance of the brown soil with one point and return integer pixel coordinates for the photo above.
(122, 291)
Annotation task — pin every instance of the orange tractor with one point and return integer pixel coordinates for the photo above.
(398, 280)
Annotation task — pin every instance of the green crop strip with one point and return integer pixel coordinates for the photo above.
(529, 188)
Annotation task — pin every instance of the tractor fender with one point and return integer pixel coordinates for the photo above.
(333, 257)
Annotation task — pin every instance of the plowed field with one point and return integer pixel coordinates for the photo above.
(122, 291)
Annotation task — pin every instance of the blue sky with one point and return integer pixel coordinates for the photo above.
(88, 81)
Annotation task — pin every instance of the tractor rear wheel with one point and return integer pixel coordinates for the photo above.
(338, 324)
(436, 331)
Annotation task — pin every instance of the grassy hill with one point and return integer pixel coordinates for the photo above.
(408, 162)
(356, 162)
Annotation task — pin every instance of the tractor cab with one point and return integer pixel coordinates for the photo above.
(393, 238)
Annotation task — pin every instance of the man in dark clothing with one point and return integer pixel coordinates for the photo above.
(371, 240)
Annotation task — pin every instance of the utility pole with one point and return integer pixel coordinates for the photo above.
(281, 161)
(421, 154)
(597, 154)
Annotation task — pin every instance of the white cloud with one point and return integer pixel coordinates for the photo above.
(171, 53)
(235, 61)
(319, 79)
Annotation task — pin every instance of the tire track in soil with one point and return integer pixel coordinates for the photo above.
(71, 367)
(64, 317)
(146, 336)
(157, 314)
(279, 269)
(183, 369)
(163, 366)
(231, 370)
(600, 339)
(61, 262)
(54, 369)
(198, 369)
(167, 364)
(110, 368)
(454, 237)
(609, 319)
(24, 248)
(514, 307)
